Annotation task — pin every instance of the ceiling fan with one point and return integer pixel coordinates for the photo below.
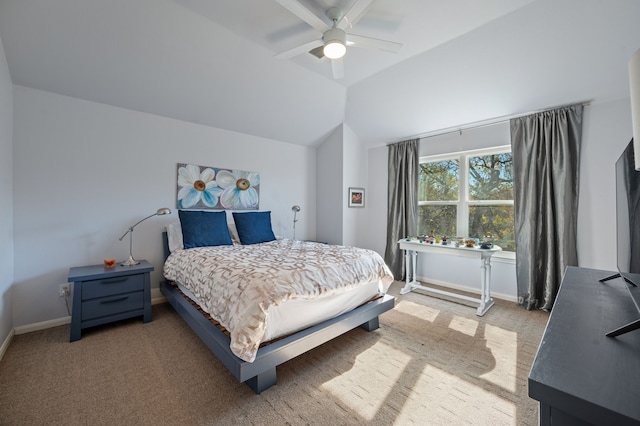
(334, 41)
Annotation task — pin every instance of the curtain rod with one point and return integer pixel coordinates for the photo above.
(488, 122)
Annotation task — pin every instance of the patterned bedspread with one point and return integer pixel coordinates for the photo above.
(237, 284)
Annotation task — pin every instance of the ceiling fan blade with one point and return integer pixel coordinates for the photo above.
(303, 48)
(303, 13)
(354, 14)
(337, 66)
(374, 43)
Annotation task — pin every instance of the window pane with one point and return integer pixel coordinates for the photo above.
(494, 220)
(491, 177)
(439, 180)
(440, 219)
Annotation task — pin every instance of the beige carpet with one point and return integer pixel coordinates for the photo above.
(432, 362)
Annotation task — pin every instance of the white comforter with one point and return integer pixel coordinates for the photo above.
(237, 284)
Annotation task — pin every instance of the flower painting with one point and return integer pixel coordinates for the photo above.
(202, 187)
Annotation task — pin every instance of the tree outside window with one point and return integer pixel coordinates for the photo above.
(469, 195)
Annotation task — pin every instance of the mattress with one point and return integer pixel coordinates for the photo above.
(262, 291)
(297, 314)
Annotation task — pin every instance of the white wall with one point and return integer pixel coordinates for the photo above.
(330, 184)
(342, 163)
(355, 176)
(6, 198)
(606, 131)
(375, 222)
(84, 172)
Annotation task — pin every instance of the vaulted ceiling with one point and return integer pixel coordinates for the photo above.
(213, 61)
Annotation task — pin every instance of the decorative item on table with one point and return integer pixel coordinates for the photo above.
(445, 240)
(109, 262)
(487, 242)
(131, 261)
(459, 241)
(469, 243)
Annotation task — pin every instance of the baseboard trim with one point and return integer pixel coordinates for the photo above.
(5, 344)
(30, 328)
(157, 297)
(158, 300)
(501, 296)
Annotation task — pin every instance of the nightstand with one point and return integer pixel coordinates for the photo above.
(101, 295)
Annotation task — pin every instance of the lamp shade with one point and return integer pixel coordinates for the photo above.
(634, 85)
(334, 43)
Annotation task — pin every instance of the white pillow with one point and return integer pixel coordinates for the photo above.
(174, 234)
(234, 233)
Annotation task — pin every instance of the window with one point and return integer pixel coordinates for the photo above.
(468, 194)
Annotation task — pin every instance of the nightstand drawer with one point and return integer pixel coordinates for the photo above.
(111, 305)
(115, 285)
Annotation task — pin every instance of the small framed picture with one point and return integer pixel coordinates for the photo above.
(356, 197)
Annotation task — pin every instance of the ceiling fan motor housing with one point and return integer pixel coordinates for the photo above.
(334, 34)
(334, 43)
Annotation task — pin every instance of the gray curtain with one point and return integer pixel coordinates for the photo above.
(402, 203)
(546, 154)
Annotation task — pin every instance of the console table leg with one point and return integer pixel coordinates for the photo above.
(414, 266)
(486, 302)
(411, 258)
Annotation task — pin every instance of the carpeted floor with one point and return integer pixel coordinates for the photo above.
(432, 362)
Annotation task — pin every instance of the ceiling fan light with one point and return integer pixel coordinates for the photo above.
(334, 49)
(334, 43)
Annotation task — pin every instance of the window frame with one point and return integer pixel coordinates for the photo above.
(463, 204)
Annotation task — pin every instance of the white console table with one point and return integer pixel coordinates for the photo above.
(412, 247)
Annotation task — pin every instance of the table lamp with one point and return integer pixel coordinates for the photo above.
(295, 210)
(131, 261)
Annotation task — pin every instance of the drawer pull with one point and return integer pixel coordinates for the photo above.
(117, 299)
(114, 280)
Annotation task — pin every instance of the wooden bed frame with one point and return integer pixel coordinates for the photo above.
(261, 373)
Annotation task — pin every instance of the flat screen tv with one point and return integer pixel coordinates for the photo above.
(628, 230)
(628, 216)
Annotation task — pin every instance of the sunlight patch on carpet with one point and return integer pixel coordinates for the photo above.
(464, 325)
(437, 397)
(364, 388)
(422, 312)
(504, 347)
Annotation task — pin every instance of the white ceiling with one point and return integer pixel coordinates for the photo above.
(212, 61)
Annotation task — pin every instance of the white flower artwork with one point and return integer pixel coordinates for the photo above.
(203, 187)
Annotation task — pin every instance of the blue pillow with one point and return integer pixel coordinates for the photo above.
(254, 227)
(203, 229)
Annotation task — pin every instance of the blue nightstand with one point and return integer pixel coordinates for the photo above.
(101, 295)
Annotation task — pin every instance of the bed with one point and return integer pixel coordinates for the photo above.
(242, 297)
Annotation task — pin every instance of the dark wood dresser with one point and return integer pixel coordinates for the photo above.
(579, 375)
